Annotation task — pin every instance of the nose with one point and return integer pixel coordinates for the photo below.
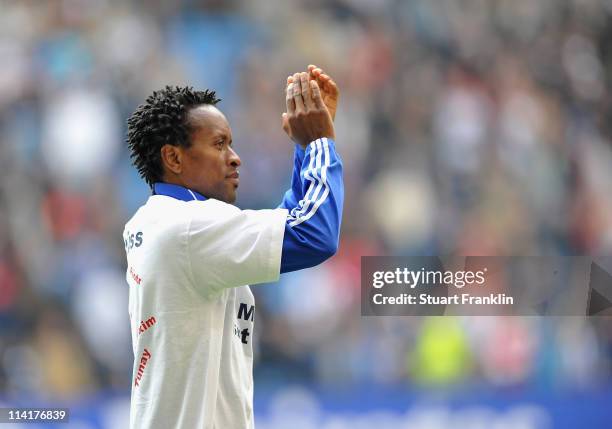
(234, 159)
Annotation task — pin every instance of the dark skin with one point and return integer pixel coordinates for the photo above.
(329, 92)
(210, 165)
(307, 115)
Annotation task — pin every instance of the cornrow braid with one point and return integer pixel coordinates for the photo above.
(161, 120)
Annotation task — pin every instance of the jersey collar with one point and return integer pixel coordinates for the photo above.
(177, 191)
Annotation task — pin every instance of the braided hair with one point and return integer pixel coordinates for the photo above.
(162, 120)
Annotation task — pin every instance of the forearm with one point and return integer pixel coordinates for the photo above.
(315, 204)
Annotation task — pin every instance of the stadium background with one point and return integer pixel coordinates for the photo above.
(469, 126)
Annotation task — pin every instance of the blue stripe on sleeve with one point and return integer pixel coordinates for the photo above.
(315, 203)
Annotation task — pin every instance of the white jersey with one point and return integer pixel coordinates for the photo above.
(192, 311)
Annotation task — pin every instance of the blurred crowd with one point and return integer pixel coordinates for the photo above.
(471, 127)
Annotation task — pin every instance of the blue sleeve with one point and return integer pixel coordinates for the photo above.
(315, 203)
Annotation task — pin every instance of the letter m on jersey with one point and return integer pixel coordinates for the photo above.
(246, 312)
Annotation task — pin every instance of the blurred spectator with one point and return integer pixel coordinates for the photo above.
(473, 127)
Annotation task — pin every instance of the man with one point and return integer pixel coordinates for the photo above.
(191, 254)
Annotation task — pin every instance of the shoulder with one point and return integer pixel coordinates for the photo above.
(164, 217)
(214, 215)
(210, 208)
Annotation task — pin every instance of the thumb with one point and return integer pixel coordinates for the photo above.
(285, 123)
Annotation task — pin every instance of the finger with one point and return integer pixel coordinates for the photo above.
(328, 85)
(322, 80)
(332, 87)
(285, 123)
(315, 72)
(297, 93)
(306, 91)
(289, 79)
(316, 95)
(289, 98)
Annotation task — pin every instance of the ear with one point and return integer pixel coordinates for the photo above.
(172, 159)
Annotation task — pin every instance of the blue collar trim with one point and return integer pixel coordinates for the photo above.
(177, 191)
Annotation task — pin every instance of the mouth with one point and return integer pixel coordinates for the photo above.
(234, 178)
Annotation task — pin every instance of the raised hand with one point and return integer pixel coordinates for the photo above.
(330, 94)
(307, 117)
(329, 90)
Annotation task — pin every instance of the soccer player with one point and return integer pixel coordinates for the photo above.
(191, 254)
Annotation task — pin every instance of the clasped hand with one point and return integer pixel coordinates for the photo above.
(310, 108)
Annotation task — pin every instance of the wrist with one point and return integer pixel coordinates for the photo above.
(305, 145)
(313, 143)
